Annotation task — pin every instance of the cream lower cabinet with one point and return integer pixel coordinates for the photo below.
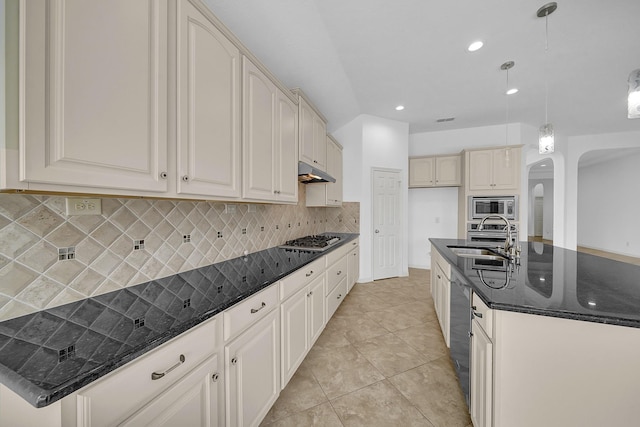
(481, 376)
(353, 266)
(133, 395)
(441, 291)
(303, 319)
(270, 139)
(252, 365)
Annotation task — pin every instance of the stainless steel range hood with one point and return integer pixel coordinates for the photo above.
(308, 174)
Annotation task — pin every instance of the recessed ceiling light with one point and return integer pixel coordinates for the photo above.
(543, 166)
(512, 91)
(400, 107)
(475, 46)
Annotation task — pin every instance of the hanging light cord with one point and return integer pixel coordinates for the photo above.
(506, 120)
(546, 68)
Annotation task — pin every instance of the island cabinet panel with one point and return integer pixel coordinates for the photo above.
(481, 376)
(93, 100)
(208, 97)
(550, 371)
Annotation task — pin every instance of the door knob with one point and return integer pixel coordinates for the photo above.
(377, 231)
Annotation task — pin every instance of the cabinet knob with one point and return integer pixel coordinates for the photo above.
(234, 361)
(339, 272)
(310, 293)
(185, 178)
(215, 377)
(163, 175)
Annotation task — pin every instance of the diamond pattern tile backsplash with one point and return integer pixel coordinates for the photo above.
(49, 259)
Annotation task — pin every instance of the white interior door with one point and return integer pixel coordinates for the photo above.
(386, 224)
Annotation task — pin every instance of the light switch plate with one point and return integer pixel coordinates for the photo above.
(83, 206)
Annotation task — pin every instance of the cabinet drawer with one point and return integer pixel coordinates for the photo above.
(241, 316)
(336, 273)
(444, 265)
(483, 315)
(334, 299)
(296, 281)
(336, 254)
(109, 401)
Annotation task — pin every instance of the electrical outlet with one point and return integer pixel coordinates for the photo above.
(83, 206)
(230, 209)
(251, 208)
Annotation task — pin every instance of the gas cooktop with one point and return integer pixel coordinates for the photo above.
(312, 243)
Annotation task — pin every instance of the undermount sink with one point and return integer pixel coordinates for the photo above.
(477, 252)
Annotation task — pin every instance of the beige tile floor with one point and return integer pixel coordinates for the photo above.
(381, 361)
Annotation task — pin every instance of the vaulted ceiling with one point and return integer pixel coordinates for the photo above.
(367, 56)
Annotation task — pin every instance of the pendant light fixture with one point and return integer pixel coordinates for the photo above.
(546, 138)
(506, 67)
(634, 95)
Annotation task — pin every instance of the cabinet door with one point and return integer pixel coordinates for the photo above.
(319, 143)
(448, 171)
(94, 99)
(252, 364)
(286, 172)
(354, 267)
(421, 172)
(506, 169)
(338, 185)
(480, 170)
(334, 168)
(192, 401)
(258, 134)
(317, 309)
(481, 372)
(294, 317)
(306, 132)
(208, 98)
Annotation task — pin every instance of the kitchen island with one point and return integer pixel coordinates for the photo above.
(555, 339)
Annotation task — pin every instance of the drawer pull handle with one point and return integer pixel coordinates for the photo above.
(309, 273)
(310, 293)
(339, 272)
(477, 314)
(255, 310)
(439, 277)
(215, 377)
(339, 296)
(158, 375)
(234, 361)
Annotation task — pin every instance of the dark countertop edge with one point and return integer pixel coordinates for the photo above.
(39, 398)
(451, 258)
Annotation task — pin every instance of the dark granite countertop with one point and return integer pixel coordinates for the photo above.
(47, 355)
(552, 281)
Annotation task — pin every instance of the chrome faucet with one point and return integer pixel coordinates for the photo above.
(511, 241)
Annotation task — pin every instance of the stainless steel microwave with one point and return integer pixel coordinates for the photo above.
(481, 206)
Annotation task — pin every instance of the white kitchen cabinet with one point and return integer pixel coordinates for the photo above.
(94, 99)
(303, 318)
(493, 170)
(481, 377)
(435, 171)
(354, 266)
(208, 102)
(270, 142)
(191, 402)
(252, 365)
(329, 194)
(441, 291)
(132, 393)
(313, 134)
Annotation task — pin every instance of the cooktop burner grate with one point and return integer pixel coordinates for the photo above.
(312, 243)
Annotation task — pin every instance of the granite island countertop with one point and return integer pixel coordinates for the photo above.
(47, 355)
(553, 281)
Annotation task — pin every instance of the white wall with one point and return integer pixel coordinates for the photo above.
(427, 204)
(373, 142)
(603, 188)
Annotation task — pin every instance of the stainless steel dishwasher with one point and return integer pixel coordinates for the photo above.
(460, 330)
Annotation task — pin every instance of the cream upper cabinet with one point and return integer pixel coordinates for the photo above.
(493, 170)
(313, 139)
(329, 194)
(94, 99)
(208, 98)
(435, 171)
(270, 143)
